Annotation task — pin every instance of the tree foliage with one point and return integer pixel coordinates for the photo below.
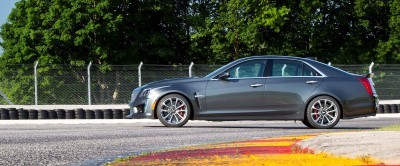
(235, 27)
(203, 31)
(101, 31)
(389, 50)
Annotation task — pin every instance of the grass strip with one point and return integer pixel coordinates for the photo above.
(390, 128)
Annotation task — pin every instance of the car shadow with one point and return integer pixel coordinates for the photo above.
(272, 127)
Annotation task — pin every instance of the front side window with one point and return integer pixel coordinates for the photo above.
(248, 69)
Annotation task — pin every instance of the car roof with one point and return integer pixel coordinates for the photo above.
(327, 70)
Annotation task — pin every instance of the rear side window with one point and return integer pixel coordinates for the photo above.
(289, 68)
(308, 71)
(285, 68)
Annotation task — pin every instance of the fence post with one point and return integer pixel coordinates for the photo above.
(190, 69)
(140, 73)
(370, 67)
(6, 98)
(36, 84)
(89, 83)
(283, 70)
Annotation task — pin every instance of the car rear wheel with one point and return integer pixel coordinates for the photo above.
(323, 112)
(173, 110)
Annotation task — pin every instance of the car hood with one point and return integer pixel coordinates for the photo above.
(168, 82)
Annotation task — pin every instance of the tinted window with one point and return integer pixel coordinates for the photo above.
(308, 71)
(287, 68)
(248, 69)
(284, 68)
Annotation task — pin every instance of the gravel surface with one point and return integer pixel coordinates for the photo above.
(93, 144)
(381, 145)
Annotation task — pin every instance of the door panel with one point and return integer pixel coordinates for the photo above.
(287, 95)
(234, 97)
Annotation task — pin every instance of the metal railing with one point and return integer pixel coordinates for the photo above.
(113, 84)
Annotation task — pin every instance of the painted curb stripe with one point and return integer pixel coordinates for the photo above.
(219, 151)
(268, 151)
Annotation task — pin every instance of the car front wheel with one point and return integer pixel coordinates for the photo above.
(173, 110)
(323, 112)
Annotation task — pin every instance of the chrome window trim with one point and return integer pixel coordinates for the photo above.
(271, 77)
(318, 71)
(266, 58)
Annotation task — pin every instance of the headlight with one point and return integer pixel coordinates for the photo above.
(145, 92)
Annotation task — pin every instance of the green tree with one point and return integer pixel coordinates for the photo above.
(340, 31)
(389, 50)
(234, 28)
(79, 31)
(372, 26)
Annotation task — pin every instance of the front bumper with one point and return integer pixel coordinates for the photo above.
(135, 113)
(142, 109)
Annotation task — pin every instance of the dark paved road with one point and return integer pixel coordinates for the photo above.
(94, 144)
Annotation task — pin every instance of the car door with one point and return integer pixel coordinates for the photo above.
(242, 92)
(288, 86)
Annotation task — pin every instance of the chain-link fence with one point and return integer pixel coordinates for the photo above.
(386, 78)
(113, 84)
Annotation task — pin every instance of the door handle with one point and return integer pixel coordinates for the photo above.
(256, 85)
(311, 82)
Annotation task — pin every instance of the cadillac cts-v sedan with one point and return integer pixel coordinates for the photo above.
(260, 88)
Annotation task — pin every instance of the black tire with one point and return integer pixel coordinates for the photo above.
(108, 114)
(387, 109)
(23, 114)
(305, 122)
(60, 113)
(33, 114)
(393, 108)
(89, 114)
(13, 113)
(43, 114)
(327, 108)
(125, 112)
(398, 108)
(79, 113)
(380, 109)
(99, 114)
(52, 114)
(70, 114)
(117, 114)
(4, 114)
(183, 110)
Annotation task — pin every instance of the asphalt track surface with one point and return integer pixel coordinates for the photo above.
(95, 144)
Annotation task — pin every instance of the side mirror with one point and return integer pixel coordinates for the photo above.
(223, 76)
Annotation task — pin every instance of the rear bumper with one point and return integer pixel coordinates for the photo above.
(362, 108)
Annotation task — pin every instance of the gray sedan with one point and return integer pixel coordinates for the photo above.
(260, 88)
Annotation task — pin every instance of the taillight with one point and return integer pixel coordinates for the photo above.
(367, 85)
